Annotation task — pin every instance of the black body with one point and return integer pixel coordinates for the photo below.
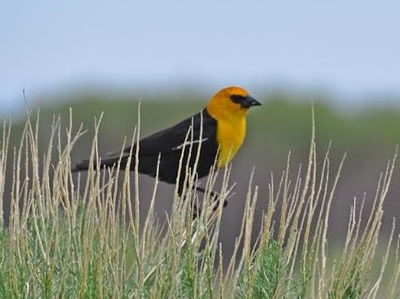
(169, 144)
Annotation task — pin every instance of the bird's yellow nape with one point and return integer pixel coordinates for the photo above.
(222, 105)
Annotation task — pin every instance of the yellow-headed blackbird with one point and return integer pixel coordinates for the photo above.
(223, 132)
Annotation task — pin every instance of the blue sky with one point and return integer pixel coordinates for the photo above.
(352, 47)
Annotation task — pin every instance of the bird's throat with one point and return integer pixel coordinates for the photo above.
(230, 137)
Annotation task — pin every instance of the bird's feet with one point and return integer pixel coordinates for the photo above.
(215, 196)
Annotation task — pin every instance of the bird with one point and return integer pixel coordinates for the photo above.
(219, 130)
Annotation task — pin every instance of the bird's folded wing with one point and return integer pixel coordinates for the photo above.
(177, 137)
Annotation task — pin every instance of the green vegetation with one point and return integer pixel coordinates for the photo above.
(69, 237)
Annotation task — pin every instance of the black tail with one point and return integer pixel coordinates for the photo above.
(81, 166)
(110, 162)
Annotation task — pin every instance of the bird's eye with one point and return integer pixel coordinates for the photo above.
(237, 98)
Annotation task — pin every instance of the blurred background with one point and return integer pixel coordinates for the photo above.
(96, 56)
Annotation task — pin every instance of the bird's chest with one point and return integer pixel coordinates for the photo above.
(230, 136)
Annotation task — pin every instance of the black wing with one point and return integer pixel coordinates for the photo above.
(169, 144)
(173, 138)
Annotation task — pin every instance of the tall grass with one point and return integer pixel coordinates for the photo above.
(74, 237)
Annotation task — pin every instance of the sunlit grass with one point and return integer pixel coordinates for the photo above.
(69, 237)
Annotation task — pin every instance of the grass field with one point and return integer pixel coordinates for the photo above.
(87, 237)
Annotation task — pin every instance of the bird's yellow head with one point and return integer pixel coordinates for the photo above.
(231, 102)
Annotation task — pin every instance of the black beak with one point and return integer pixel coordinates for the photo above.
(250, 102)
